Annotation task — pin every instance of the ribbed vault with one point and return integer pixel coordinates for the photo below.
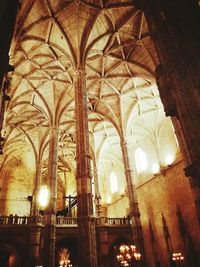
(111, 40)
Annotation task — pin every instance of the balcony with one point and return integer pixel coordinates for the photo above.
(60, 221)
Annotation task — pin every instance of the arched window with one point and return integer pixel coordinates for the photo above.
(113, 183)
(140, 160)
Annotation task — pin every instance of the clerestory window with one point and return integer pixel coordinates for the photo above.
(140, 160)
(113, 183)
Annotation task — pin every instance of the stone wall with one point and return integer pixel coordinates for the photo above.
(158, 200)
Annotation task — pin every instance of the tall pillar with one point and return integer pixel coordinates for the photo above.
(38, 173)
(133, 204)
(35, 229)
(96, 180)
(35, 221)
(131, 191)
(175, 34)
(86, 221)
(50, 212)
(97, 193)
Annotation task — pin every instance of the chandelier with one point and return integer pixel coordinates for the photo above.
(178, 257)
(127, 255)
(64, 260)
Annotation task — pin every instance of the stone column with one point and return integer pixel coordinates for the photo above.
(86, 221)
(38, 173)
(35, 221)
(96, 180)
(50, 212)
(103, 246)
(133, 204)
(177, 45)
(97, 193)
(35, 228)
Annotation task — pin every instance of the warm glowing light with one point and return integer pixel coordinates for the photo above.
(43, 196)
(141, 160)
(113, 183)
(122, 248)
(127, 254)
(155, 168)
(108, 200)
(177, 256)
(169, 159)
(133, 248)
(12, 260)
(137, 256)
(61, 263)
(64, 260)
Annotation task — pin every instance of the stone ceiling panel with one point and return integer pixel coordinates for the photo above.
(54, 38)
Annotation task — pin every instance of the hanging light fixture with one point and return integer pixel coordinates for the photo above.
(178, 257)
(127, 255)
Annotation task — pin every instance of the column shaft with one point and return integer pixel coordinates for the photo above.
(50, 213)
(38, 173)
(133, 204)
(96, 180)
(97, 193)
(86, 222)
(35, 225)
(35, 245)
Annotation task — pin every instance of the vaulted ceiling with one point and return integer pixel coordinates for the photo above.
(111, 40)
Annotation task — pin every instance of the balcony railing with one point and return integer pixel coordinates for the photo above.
(66, 221)
(36, 220)
(60, 220)
(112, 221)
(14, 220)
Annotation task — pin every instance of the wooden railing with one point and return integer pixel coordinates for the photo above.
(60, 220)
